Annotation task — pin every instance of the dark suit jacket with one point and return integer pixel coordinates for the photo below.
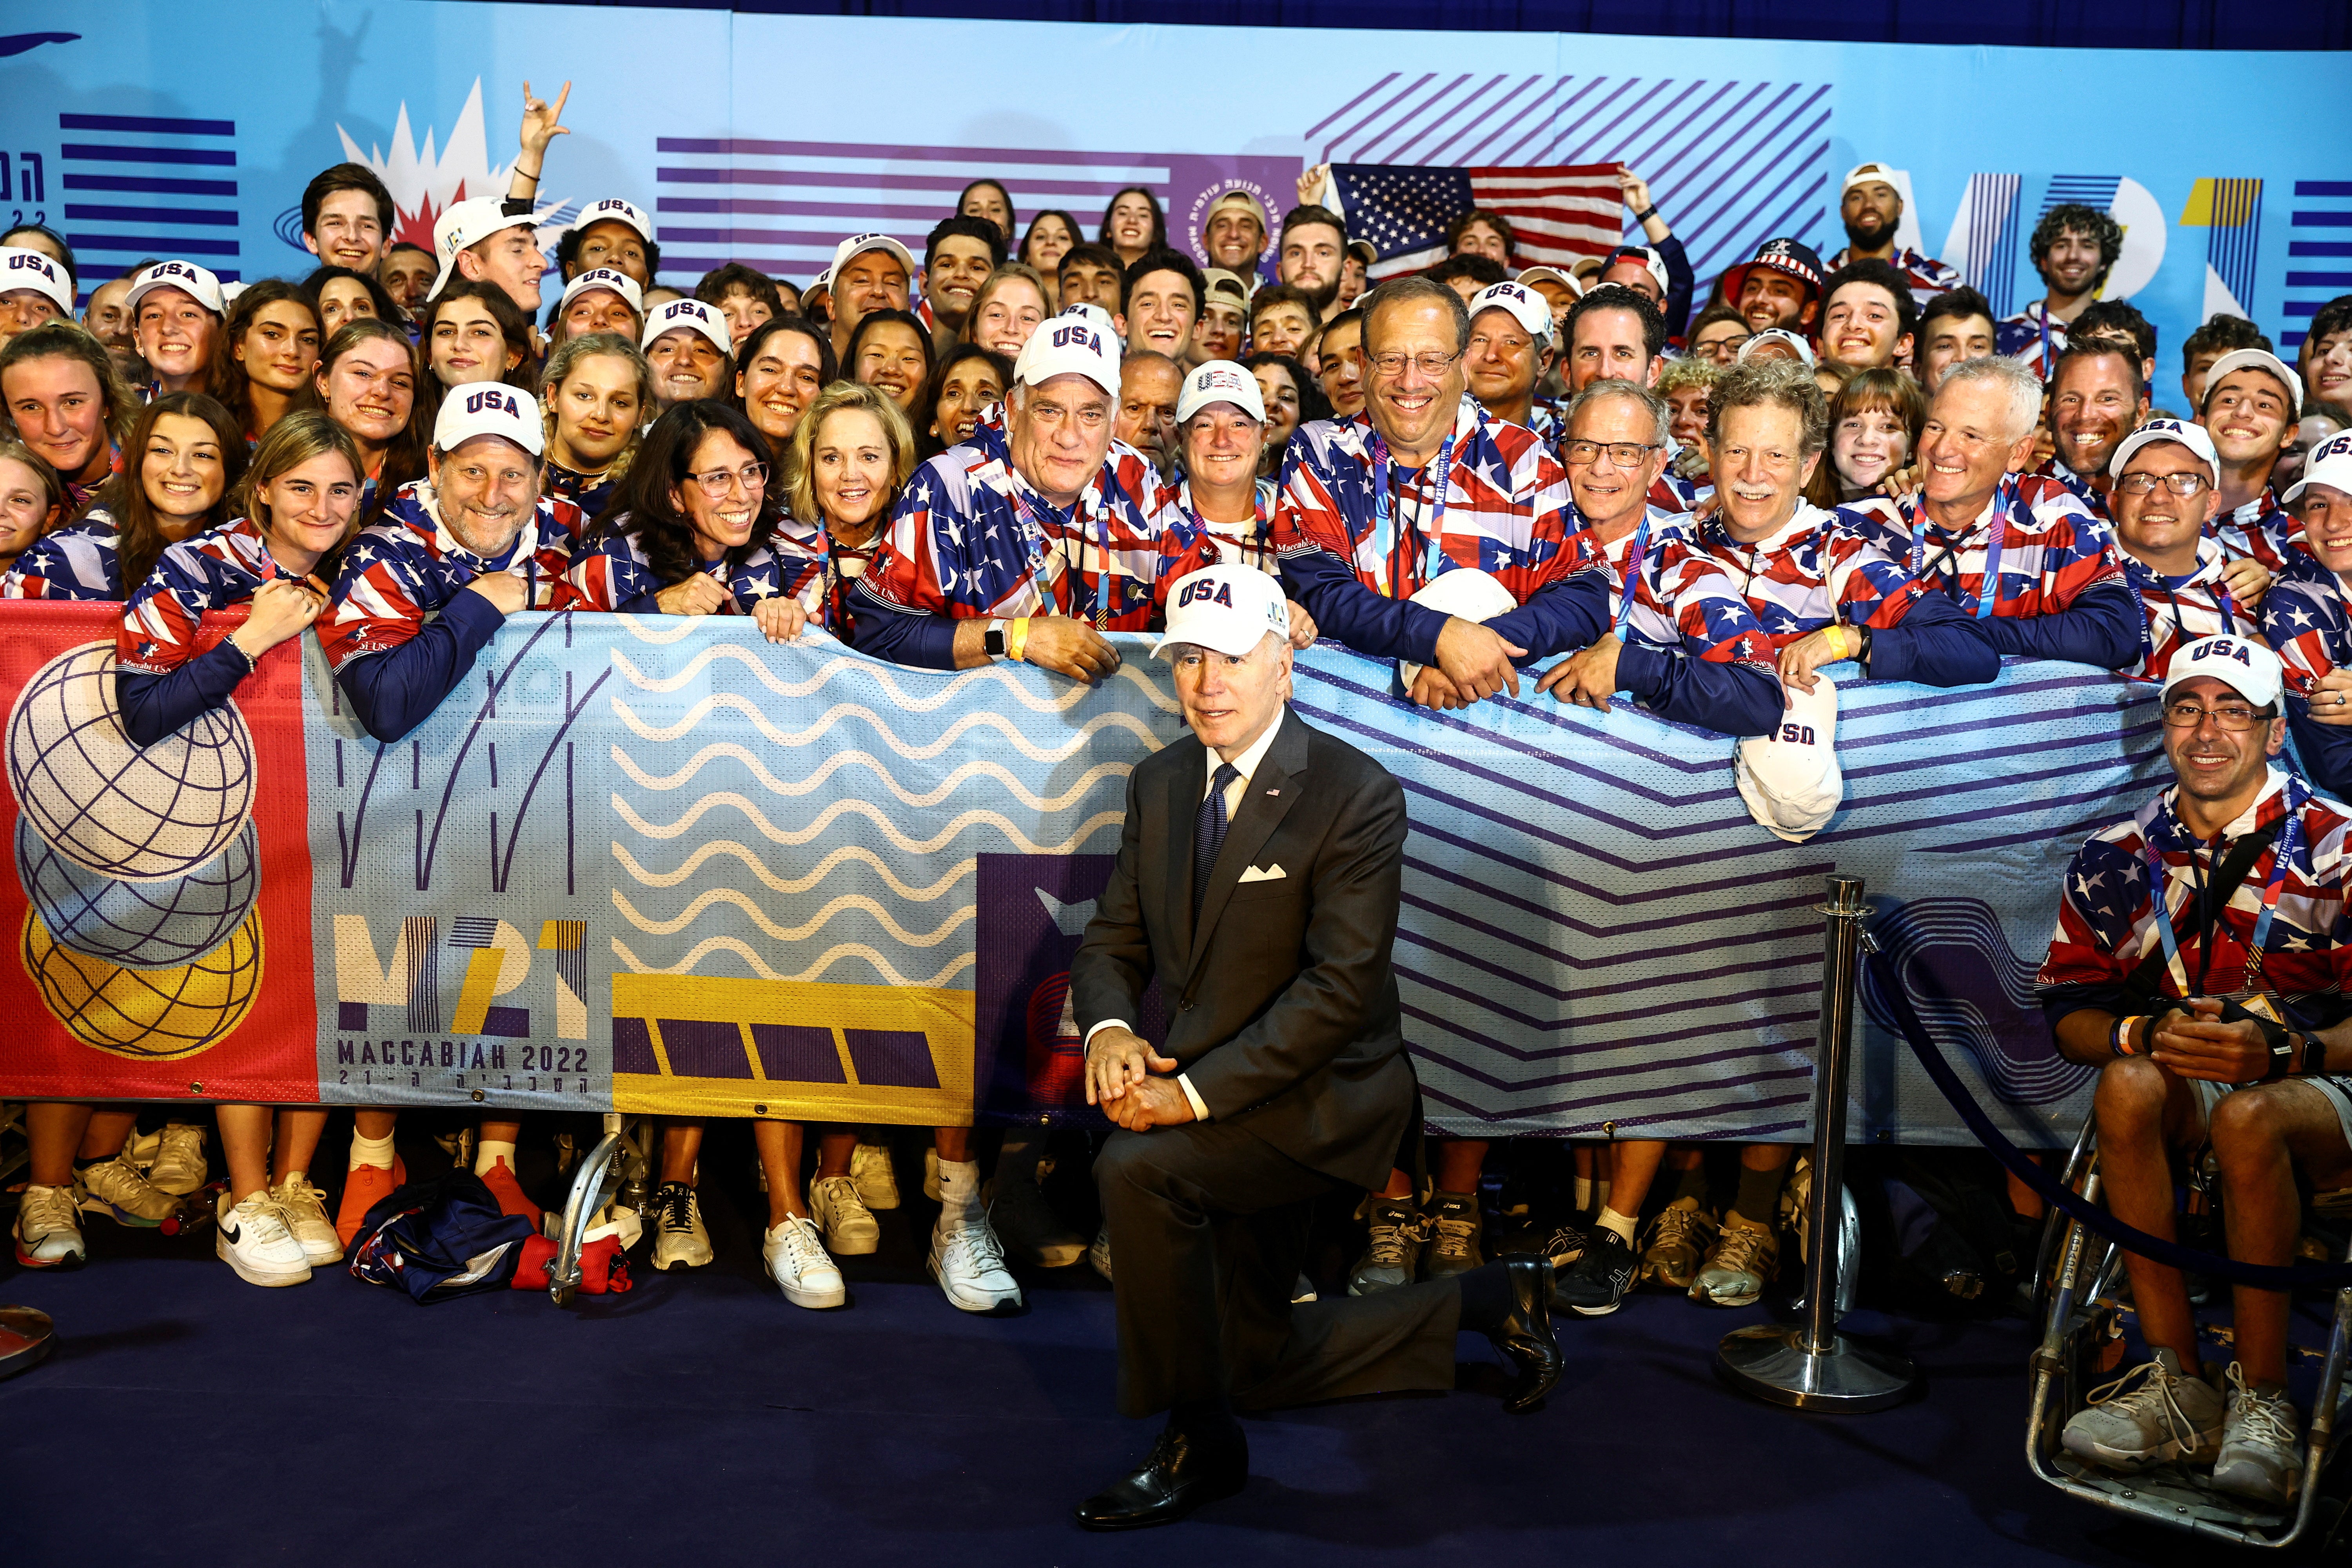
(1282, 1007)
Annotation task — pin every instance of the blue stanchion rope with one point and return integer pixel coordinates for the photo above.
(2261, 1276)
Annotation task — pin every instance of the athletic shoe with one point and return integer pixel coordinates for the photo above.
(850, 1231)
(1030, 1228)
(616, 1219)
(797, 1262)
(1098, 1254)
(1738, 1266)
(2261, 1447)
(1596, 1284)
(501, 1179)
(1679, 1239)
(1302, 1292)
(305, 1208)
(1397, 1232)
(116, 1189)
(252, 1237)
(679, 1240)
(1457, 1228)
(48, 1229)
(876, 1183)
(177, 1164)
(969, 1263)
(1563, 1247)
(364, 1186)
(2151, 1414)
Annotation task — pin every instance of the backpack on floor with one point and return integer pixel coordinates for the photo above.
(440, 1239)
(1946, 1236)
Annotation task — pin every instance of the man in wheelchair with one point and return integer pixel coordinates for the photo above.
(2230, 1029)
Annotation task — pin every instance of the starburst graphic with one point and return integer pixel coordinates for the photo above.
(425, 182)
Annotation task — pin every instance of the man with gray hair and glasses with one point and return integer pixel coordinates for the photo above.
(2019, 551)
(1422, 486)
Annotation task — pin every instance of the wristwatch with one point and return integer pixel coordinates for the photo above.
(993, 644)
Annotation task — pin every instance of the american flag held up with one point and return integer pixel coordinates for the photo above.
(1558, 215)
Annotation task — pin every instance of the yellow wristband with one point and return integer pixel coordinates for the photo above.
(1016, 639)
(1838, 649)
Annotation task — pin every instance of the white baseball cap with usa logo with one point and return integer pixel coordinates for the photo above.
(22, 268)
(489, 408)
(1225, 609)
(1524, 306)
(688, 315)
(189, 278)
(2242, 664)
(1071, 343)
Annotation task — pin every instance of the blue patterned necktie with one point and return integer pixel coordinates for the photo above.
(1209, 833)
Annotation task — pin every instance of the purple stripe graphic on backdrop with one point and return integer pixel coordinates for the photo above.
(1592, 1075)
(1808, 1018)
(1317, 129)
(743, 148)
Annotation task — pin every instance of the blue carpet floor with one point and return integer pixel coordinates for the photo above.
(700, 1419)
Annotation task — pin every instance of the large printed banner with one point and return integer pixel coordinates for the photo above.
(659, 864)
(134, 126)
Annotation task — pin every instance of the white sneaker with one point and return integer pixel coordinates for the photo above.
(969, 1264)
(1098, 1254)
(1027, 1223)
(2261, 1448)
(798, 1263)
(116, 1189)
(305, 1208)
(840, 1212)
(2151, 1414)
(179, 1163)
(614, 1219)
(931, 1175)
(679, 1240)
(252, 1237)
(48, 1229)
(876, 1181)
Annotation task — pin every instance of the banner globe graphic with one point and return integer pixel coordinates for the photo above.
(141, 868)
(106, 804)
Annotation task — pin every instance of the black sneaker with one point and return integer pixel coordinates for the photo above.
(1456, 1230)
(1598, 1280)
(1392, 1255)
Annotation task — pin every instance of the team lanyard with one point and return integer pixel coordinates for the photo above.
(1387, 530)
(2282, 854)
(1997, 532)
(1076, 562)
(1262, 541)
(1636, 553)
(2180, 628)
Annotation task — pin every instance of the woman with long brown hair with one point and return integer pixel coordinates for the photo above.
(368, 382)
(182, 459)
(263, 359)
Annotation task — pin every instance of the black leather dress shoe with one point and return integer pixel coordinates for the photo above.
(1183, 1472)
(1525, 1338)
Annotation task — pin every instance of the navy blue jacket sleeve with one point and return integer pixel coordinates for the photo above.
(393, 691)
(153, 706)
(902, 636)
(1680, 282)
(1570, 612)
(1729, 698)
(2326, 748)
(1346, 610)
(2102, 628)
(1937, 642)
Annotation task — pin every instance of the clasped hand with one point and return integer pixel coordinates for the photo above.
(1126, 1078)
(2192, 1041)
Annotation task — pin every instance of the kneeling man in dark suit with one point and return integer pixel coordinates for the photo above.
(1257, 880)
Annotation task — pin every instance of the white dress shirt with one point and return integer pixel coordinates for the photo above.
(1245, 768)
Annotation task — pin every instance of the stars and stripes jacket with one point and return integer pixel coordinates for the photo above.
(163, 680)
(2106, 924)
(1507, 512)
(77, 563)
(402, 631)
(610, 571)
(2062, 592)
(972, 538)
(1927, 275)
(2261, 529)
(1693, 650)
(2306, 619)
(2177, 611)
(2032, 336)
(1813, 571)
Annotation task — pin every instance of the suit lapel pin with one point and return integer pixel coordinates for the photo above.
(1274, 792)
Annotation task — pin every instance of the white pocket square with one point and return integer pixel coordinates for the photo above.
(1264, 874)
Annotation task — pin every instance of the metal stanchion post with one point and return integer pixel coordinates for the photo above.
(1810, 1366)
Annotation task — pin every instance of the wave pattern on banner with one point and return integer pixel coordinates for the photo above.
(879, 841)
(1730, 164)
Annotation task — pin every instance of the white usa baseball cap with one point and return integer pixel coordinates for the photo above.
(188, 278)
(611, 281)
(1220, 381)
(1789, 776)
(2256, 359)
(22, 268)
(1071, 343)
(689, 316)
(612, 209)
(1866, 173)
(1523, 304)
(2192, 436)
(2242, 664)
(858, 244)
(1225, 609)
(1466, 593)
(466, 224)
(1804, 350)
(2329, 463)
(1566, 280)
(488, 408)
